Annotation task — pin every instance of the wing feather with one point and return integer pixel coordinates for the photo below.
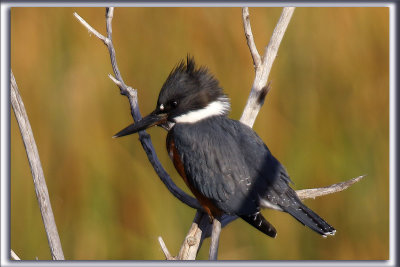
(228, 163)
(214, 164)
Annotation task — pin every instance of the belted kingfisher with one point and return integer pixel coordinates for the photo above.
(225, 164)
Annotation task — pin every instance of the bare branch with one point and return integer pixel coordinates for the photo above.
(14, 256)
(193, 239)
(216, 231)
(250, 39)
(318, 192)
(253, 104)
(90, 28)
(39, 182)
(165, 249)
(132, 97)
(272, 48)
(118, 83)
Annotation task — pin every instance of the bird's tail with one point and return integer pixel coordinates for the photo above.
(259, 222)
(309, 218)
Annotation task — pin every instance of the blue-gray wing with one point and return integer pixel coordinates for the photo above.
(228, 163)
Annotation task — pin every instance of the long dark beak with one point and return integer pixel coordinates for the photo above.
(150, 120)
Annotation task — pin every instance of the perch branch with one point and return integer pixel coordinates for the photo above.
(39, 181)
(14, 256)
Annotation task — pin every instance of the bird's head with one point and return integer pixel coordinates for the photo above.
(189, 94)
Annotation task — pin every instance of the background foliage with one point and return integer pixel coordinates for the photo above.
(326, 119)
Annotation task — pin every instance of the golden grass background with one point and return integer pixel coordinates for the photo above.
(326, 119)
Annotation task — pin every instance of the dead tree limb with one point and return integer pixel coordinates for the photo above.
(39, 182)
(201, 227)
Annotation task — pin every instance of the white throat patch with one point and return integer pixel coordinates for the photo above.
(218, 107)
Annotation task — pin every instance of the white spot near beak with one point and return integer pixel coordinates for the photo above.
(161, 107)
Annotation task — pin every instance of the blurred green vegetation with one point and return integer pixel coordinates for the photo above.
(326, 119)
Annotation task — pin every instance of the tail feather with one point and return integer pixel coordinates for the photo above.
(259, 222)
(309, 218)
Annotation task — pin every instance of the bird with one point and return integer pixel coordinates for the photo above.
(223, 162)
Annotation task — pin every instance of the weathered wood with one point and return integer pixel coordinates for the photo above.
(216, 231)
(39, 182)
(318, 192)
(165, 249)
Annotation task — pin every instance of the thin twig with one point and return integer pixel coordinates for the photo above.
(317, 192)
(14, 256)
(118, 83)
(165, 249)
(216, 231)
(39, 181)
(250, 39)
(272, 48)
(90, 28)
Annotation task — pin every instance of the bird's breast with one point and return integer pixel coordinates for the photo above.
(176, 158)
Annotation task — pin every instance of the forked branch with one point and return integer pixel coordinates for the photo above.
(262, 65)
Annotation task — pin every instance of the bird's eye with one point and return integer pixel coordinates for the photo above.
(174, 104)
